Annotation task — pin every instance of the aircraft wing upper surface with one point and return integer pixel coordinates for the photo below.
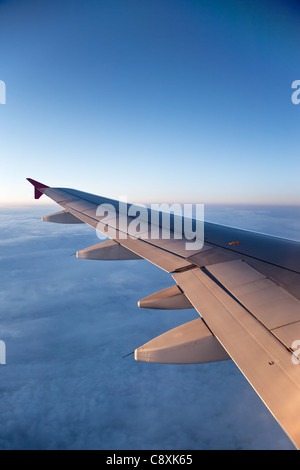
(245, 286)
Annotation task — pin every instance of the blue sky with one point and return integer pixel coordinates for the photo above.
(158, 100)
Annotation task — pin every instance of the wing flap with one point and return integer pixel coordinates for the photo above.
(268, 302)
(165, 260)
(289, 335)
(265, 361)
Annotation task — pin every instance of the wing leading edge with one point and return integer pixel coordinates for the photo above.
(245, 286)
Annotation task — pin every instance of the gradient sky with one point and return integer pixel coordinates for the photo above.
(159, 100)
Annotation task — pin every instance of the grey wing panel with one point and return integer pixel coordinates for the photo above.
(269, 303)
(267, 248)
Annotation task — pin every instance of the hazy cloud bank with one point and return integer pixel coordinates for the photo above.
(67, 323)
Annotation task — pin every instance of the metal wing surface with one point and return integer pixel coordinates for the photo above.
(244, 285)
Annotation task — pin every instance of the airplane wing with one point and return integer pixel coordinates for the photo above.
(244, 285)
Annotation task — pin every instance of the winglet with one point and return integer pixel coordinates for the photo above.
(37, 187)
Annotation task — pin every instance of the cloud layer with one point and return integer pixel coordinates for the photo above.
(67, 323)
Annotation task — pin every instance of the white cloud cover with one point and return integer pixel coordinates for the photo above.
(67, 323)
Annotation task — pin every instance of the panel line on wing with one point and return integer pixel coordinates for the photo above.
(260, 356)
(228, 292)
(267, 302)
(251, 256)
(134, 237)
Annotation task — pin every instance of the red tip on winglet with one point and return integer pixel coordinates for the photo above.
(37, 187)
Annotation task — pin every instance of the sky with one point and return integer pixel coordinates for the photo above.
(161, 100)
(67, 323)
(157, 101)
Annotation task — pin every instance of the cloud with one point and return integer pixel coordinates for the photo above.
(68, 322)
